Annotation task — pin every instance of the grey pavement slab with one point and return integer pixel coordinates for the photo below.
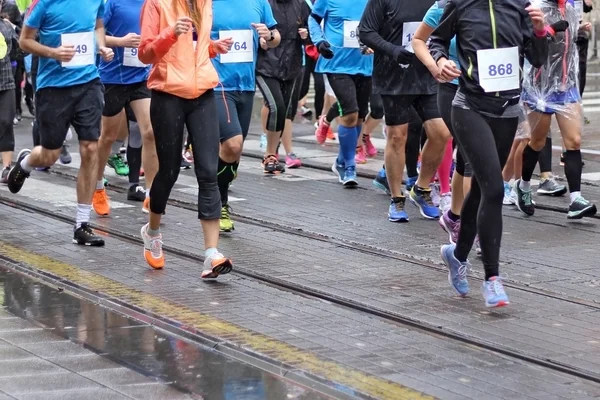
(402, 355)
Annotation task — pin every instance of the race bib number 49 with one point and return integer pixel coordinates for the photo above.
(350, 36)
(242, 50)
(85, 49)
(498, 69)
(130, 58)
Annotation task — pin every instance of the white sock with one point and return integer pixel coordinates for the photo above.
(147, 193)
(100, 184)
(83, 214)
(24, 164)
(525, 186)
(574, 196)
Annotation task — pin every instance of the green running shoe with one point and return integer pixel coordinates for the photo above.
(116, 162)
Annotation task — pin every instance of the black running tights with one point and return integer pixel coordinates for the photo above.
(486, 143)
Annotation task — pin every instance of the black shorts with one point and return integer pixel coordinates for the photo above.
(58, 108)
(234, 109)
(353, 93)
(397, 107)
(116, 97)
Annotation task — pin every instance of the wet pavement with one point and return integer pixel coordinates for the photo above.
(78, 349)
(330, 292)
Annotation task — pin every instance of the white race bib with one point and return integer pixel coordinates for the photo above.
(408, 31)
(85, 49)
(242, 50)
(579, 9)
(498, 69)
(130, 58)
(350, 36)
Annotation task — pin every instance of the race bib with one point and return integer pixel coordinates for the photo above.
(242, 50)
(130, 58)
(85, 49)
(408, 31)
(350, 36)
(498, 69)
(579, 9)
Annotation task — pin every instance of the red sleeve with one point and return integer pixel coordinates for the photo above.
(154, 44)
(211, 49)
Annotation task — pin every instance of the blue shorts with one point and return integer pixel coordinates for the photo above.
(235, 112)
(553, 102)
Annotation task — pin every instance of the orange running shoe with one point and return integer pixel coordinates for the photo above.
(330, 134)
(153, 252)
(101, 202)
(146, 206)
(216, 265)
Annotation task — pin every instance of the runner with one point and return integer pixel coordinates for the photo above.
(403, 81)
(69, 93)
(8, 42)
(124, 79)
(173, 41)
(253, 27)
(348, 72)
(485, 114)
(552, 90)
(278, 72)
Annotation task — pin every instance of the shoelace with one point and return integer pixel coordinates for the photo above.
(462, 271)
(119, 163)
(352, 170)
(496, 287)
(426, 194)
(225, 212)
(526, 198)
(399, 205)
(156, 247)
(140, 189)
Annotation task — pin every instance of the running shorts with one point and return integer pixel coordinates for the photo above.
(235, 112)
(116, 97)
(397, 108)
(554, 102)
(353, 93)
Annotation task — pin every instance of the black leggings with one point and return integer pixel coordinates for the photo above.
(18, 75)
(7, 114)
(546, 156)
(280, 100)
(446, 93)
(309, 68)
(169, 114)
(413, 143)
(486, 143)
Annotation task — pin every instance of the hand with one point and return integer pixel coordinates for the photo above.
(403, 56)
(262, 31)
(324, 49)
(586, 26)
(588, 3)
(369, 51)
(303, 32)
(131, 40)
(106, 53)
(448, 70)
(537, 18)
(263, 44)
(64, 53)
(183, 25)
(222, 46)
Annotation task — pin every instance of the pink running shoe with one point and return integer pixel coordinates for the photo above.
(370, 149)
(322, 130)
(361, 155)
(292, 161)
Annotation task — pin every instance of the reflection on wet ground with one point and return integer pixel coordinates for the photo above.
(187, 366)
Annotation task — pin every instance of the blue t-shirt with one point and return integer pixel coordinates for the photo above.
(239, 15)
(338, 15)
(432, 19)
(54, 18)
(120, 18)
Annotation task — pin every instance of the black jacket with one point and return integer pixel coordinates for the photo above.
(471, 22)
(381, 29)
(284, 62)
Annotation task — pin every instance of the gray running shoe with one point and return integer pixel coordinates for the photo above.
(549, 187)
(65, 156)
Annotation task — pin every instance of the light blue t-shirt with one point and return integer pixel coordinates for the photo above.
(54, 18)
(235, 15)
(340, 15)
(120, 18)
(432, 19)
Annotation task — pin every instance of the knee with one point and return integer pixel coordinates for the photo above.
(206, 173)
(232, 148)
(494, 193)
(572, 143)
(350, 119)
(88, 150)
(49, 157)
(396, 138)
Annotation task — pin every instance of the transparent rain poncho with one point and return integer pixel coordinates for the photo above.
(523, 130)
(554, 88)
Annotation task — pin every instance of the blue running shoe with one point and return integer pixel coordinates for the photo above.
(457, 277)
(381, 183)
(423, 201)
(339, 170)
(396, 212)
(411, 182)
(494, 294)
(350, 179)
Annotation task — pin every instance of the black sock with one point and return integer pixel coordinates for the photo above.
(134, 159)
(530, 160)
(225, 174)
(453, 217)
(573, 169)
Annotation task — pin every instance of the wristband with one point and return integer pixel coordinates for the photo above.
(272, 37)
(544, 32)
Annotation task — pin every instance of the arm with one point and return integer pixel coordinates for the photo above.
(305, 12)
(100, 33)
(28, 43)
(315, 31)
(535, 41)
(154, 43)
(275, 39)
(443, 34)
(419, 45)
(371, 22)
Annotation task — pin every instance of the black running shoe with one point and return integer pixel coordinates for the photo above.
(17, 176)
(185, 164)
(581, 208)
(524, 200)
(272, 165)
(85, 236)
(136, 193)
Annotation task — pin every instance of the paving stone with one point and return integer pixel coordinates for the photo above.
(21, 385)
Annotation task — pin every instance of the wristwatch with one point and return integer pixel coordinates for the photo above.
(272, 37)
